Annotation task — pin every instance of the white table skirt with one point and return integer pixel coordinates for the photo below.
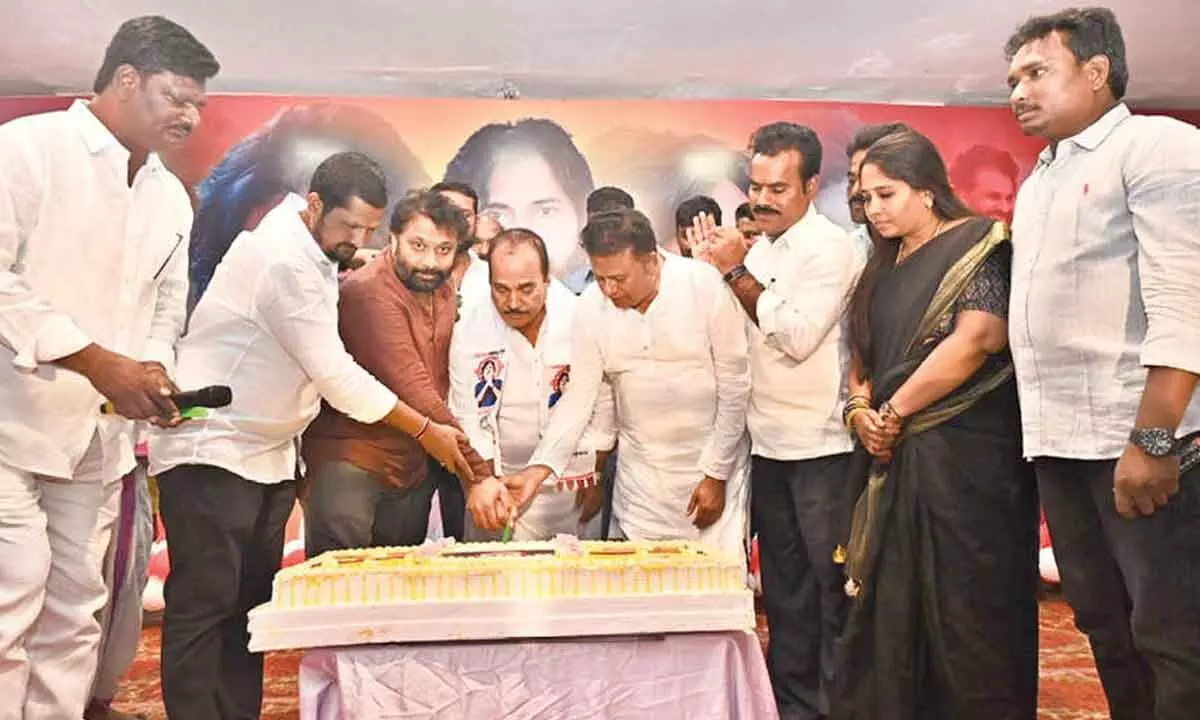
(708, 676)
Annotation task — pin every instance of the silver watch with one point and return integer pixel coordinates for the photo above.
(1155, 441)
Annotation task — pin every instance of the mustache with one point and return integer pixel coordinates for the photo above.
(1019, 108)
(764, 210)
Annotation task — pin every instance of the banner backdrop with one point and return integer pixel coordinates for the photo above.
(534, 162)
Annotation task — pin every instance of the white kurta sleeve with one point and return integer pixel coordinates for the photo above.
(727, 336)
(304, 322)
(574, 410)
(601, 433)
(462, 397)
(34, 331)
(796, 323)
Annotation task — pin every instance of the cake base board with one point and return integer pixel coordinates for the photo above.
(273, 628)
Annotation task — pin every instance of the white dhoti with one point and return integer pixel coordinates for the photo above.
(651, 504)
(51, 588)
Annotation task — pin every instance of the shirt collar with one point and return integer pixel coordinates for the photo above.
(289, 211)
(798, 228)
(1093, 135)
(99, 139)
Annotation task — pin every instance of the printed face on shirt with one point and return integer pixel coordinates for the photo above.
(343, 230)
(424, 254)
(518, 286)
(164, 107)
(523, 193)
(992, 194)
(1053, 94)
(894, 207)
(778, 195)
(627, 279)
(858, 213)
(748, 228)
(467, 206)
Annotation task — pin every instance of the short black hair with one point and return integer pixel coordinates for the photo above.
(153, 44)
(690, 208)
(1088, 32)
(520, 237)
(778, 137)
(613, 231)
(608, 198)
(459, 188)
(347, 175)
(433, 205)
(479, 155)
(868, 135)
(744, 212)
(966, 167)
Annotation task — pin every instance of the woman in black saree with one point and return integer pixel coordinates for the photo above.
(941, 563)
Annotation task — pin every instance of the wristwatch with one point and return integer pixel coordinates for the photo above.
(1155, 441)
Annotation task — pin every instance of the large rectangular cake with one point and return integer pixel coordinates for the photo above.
(481, 591)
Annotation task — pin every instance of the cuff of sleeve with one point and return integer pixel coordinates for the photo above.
(766, 309)
(161, 353)
(56, 339)
(556, 469)
(375, 405)
(716, 470)
(1178, 352)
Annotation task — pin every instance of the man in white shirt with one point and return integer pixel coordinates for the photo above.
(794, 287)
(525, 332)
(267, 328)
(1106, 345)
(668, 336)
(856, 151)
(93, 277)
(469, 274)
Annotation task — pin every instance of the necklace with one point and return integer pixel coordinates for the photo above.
(906, 252)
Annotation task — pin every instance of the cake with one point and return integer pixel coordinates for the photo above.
(448, 591)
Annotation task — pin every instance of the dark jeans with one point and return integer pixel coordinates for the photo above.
(226, 538)
(348, 507)
(1134, 586)
(802, 511)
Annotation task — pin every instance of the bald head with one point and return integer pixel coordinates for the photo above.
(520, 278)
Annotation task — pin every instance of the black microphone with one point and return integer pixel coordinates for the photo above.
(192, 402)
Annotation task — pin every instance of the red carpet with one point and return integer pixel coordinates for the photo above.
(1069, 687)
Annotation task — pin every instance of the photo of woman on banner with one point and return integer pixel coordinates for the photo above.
(530, 174)
(279, 158)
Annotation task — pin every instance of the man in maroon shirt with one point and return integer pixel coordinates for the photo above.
(368, 485)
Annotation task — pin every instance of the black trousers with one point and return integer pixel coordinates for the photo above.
(348, 507)
(801, 510)
(1134, 586)
(226, 537)
(452, 501)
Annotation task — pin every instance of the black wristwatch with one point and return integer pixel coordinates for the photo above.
(1156, 441)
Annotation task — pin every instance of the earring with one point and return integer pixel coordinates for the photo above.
(928, 202)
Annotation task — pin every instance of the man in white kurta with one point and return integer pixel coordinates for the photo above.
(93, 279)
(670, 338)
(523, 330)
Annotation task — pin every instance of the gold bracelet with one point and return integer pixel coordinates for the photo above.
(850, 418)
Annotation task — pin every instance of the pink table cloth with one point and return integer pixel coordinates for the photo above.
(705, 676)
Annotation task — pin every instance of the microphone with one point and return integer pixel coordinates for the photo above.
(192, 403)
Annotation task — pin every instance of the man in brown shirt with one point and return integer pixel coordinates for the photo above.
(367, 484)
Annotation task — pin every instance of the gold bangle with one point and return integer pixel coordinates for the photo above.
(850, 418)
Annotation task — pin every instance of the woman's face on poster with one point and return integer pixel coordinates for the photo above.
(524, 193)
